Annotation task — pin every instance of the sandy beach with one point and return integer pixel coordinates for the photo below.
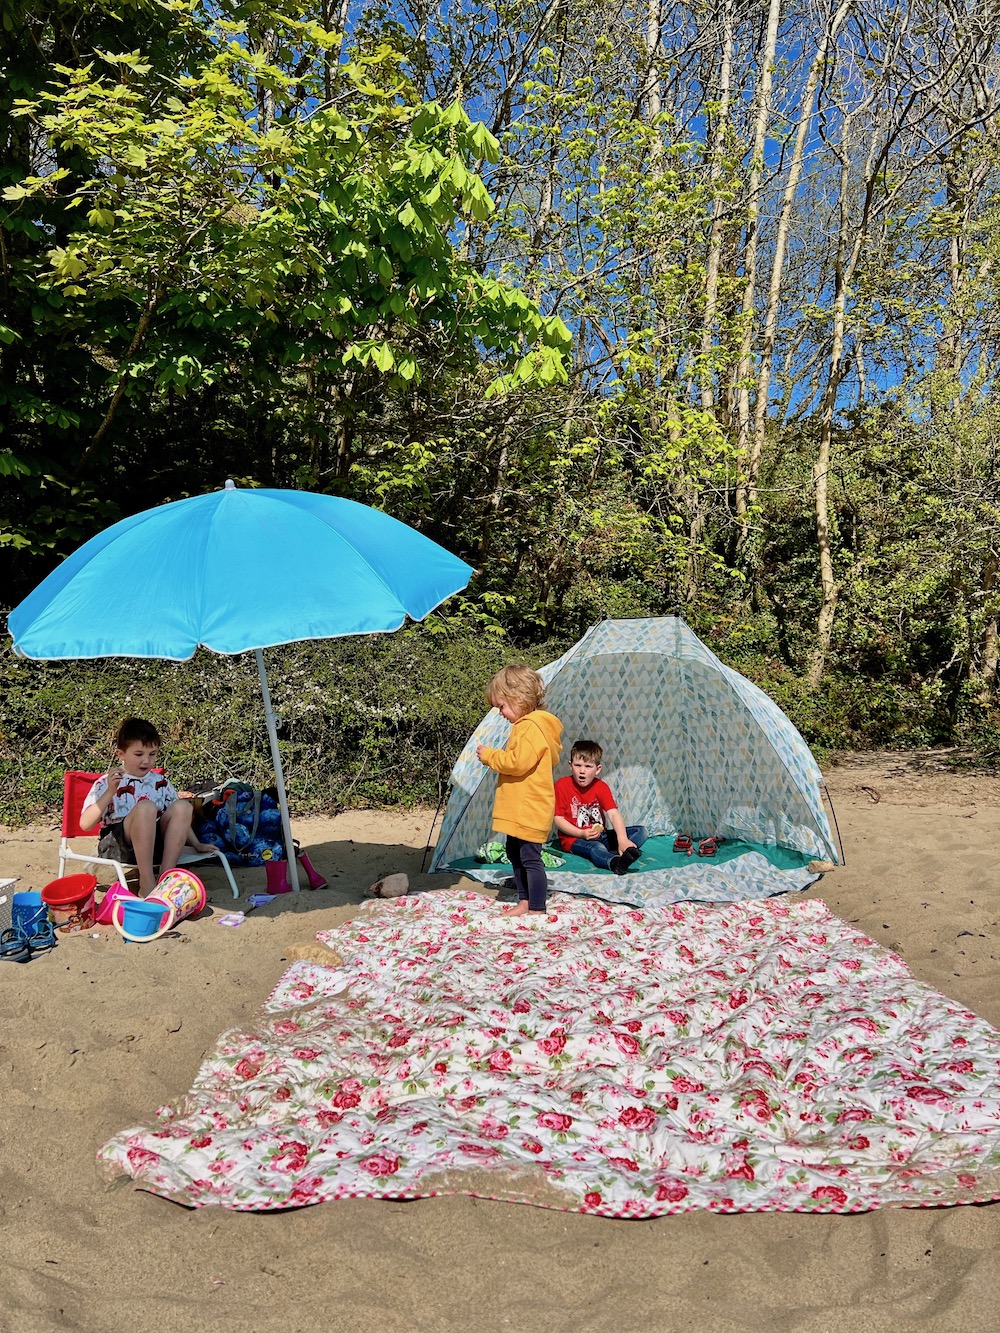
(96, 1035)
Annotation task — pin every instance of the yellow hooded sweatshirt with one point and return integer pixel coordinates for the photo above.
(525, 804)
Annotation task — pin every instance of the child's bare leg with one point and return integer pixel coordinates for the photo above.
(176, 825)
(140, 830)
(192, 840)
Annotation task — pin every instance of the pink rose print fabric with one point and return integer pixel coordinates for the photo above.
(741, 1057)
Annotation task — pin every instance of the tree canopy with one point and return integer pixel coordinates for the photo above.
(637, 308)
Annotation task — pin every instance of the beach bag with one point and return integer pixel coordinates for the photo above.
(242, 821)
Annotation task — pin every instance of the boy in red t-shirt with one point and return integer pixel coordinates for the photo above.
(582, 803)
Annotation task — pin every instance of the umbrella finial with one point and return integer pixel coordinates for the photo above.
(230, 485)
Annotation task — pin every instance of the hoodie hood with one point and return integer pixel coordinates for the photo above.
(551, 728)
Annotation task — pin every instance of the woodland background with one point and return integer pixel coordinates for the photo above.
(638, 307)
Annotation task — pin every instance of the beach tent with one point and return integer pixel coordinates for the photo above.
(690, 746)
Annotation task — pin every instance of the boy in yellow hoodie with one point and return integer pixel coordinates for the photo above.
(524, 805)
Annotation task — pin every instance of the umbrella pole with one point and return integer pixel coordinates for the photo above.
(272, 735)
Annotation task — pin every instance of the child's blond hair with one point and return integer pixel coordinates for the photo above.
(517, 685)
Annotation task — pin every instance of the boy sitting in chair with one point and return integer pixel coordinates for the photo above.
(583, 803)
(142, 820)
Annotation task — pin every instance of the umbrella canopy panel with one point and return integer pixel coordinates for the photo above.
(234, 571)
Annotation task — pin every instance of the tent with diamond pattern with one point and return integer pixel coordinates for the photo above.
(690, 747)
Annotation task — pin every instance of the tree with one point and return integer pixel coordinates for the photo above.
(229, 215)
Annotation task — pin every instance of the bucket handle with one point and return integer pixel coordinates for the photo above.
(141, 939)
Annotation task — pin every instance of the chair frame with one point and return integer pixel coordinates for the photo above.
(73, 779)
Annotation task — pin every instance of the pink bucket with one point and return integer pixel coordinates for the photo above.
(105, 911)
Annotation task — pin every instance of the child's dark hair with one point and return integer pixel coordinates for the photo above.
(135, 729)
(588, 750)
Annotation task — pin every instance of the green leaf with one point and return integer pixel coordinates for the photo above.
(383, 357)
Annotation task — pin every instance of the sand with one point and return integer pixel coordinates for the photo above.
(96, 1035)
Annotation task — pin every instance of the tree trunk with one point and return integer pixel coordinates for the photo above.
(497, 496)
(138, 338)
(762, 118)
(652, 93)
(845, 265)
(715, 148)
(770, 333)
(985, 670)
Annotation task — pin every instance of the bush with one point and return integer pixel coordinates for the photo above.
(378, 721)
(851, 709)
(374, 721)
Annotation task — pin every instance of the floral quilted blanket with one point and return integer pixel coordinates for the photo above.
(742, 1057)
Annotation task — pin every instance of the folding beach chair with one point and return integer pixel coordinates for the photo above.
(76, 785)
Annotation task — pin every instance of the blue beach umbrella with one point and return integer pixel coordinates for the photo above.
(171, 579)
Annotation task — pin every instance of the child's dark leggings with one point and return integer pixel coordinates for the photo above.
(529, 872)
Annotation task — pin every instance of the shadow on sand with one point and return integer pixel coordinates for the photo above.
(350, 866)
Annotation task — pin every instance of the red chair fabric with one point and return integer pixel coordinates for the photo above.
(75, 788)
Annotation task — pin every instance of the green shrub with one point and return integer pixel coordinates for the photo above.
(378, 721)
(368, 721)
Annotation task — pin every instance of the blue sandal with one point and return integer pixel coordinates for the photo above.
(43, 937)
(14, 947)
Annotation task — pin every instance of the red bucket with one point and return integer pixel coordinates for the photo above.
(70, 901)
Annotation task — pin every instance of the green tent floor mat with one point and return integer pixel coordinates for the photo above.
(658, 854)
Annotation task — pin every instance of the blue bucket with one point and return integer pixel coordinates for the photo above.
(139, 918)
(28, 912)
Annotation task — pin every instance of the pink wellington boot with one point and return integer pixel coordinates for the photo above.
(316, 880)
(277, 877)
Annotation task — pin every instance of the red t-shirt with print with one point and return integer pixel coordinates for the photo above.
(582, 806)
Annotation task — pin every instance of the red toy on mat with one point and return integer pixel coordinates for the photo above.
(708, 846)
(682, 843)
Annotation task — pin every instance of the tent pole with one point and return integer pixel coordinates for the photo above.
(272, 735)
(836, 824)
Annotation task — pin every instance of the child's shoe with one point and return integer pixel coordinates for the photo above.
(14, 946)
(620, 864)
(277, 877)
